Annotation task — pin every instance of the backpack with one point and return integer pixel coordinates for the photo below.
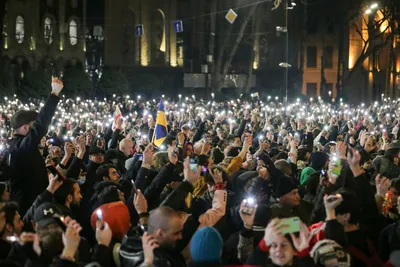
(369, 261)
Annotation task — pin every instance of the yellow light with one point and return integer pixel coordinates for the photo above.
(255, 65)
(398, 65)
(144, 57)
(173, 60)
(6, 43)
(32, 45)
(84, 46)
(61, 46)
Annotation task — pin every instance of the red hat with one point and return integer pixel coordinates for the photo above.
(116, 214)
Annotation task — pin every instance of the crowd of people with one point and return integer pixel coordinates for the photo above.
(240, 182)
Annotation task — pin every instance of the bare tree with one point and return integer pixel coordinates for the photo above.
(226, 52)
(380, 31)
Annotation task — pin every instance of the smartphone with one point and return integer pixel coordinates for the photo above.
(292, 225)
(249, 206)
(99, 215)
(140, 157)
(60, 221)
(55, 172)
(133, 186)
(194, 167)
(142, 229)
(336, 170)
(332, 199)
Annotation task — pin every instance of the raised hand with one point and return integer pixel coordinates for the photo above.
(172, 156)
(190, 176)
(54, 183)
(382, 185)
(147, 156)
(217, 176)
(140, 202)
(303, 240)
(56, 85)
(103, 233)
(246, 216)
(181, 139)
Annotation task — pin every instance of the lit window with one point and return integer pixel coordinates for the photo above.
(73, 32)
(19, 29)
(48, 31)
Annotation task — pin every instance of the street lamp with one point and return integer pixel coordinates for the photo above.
(372, 7)
(284, 29)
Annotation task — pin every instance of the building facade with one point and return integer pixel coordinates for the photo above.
(368, 66)
(48, 34)
(154, 46)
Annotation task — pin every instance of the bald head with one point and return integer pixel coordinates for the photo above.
(165, 225)
(161, 218)
(126, 146)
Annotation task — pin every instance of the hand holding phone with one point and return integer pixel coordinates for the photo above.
(290, 225)
(249, 206)
(53, 170)
(99, 214)
(337, 167)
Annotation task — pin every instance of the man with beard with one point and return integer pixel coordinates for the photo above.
(68, 196)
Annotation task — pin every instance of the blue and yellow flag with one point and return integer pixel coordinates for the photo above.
(161, 130)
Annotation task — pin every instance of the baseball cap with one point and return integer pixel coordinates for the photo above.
(23, 117)
(48, 213)
(95, 150)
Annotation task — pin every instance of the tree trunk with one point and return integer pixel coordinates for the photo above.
(255, 29)
(221, 69)
(303, 45)
(238, 41)
(340, 65)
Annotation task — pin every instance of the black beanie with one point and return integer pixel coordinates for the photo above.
(284, 185)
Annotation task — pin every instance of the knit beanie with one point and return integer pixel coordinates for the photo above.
(284, 185)
(329, 253)
(318, 160)
(116, 214)
(305, 174)
(206, 245)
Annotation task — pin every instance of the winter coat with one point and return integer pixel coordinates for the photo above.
(28, 169)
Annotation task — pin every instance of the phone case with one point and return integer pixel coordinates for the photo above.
(293, 225)
(336, 170)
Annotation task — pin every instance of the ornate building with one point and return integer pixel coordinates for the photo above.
(157, 47)
(48, 34)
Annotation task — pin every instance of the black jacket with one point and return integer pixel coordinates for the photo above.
(29, 174)
(131, 253)
(156, 187)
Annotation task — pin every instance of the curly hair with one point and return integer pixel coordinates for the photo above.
(160, 159)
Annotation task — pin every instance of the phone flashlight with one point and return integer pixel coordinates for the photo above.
(12, 238)
(250, 200)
